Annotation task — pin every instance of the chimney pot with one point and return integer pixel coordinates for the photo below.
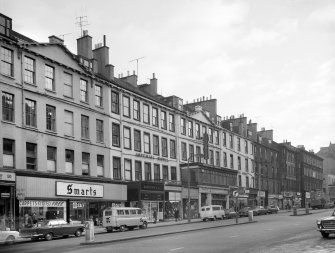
(104, 40)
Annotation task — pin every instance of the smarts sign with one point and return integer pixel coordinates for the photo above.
(79, 190)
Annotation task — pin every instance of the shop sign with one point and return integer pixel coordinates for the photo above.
(7, 176)
(152, 187)
(273, 196)
(152, 196)
(280, 196)
(152, 157)
(261, 194)
(5, 195)
(308, 195)
(78, 205)
(79, 190)
(288, 194)
(41, 203)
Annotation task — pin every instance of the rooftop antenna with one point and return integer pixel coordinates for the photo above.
(137, 59)
(62, 35)
(82, 21)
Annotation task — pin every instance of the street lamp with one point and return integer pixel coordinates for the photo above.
(188, 190)
(20, 195)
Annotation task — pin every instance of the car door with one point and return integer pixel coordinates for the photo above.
(65, 228)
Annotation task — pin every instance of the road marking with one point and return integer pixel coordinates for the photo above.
(233, 236)
(176, 249)
(269, 229)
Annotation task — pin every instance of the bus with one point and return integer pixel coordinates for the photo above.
(123, 218)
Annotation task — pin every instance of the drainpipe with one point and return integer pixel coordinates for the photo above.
(20, 56)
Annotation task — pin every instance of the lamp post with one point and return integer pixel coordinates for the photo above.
(188, 191)
(20, 195)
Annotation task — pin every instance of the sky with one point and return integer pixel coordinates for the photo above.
(271, 60)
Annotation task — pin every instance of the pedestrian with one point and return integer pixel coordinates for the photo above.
(34, 218)
(176, 215)
(155, 216)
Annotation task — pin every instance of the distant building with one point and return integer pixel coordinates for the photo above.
(311, 173)
(328, 155)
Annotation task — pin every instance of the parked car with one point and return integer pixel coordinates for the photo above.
(212, 212)
(230, 213)
(245, 211)
(52, 228)
(273, 209)
(326, 225)
(8, 237)
(329, 205)
(260, 210)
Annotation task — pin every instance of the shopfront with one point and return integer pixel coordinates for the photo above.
(287, 200)
(173, 201)
(252, 197)
(213, 196)
(273, 200)
(261, 198)
(149, 196)
(7, 200)
(66, 199)
(194, 203)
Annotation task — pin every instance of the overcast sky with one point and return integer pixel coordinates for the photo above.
(271, 60)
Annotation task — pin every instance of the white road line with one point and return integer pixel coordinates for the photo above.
(233, 236)
(176, 249)
(269, 229)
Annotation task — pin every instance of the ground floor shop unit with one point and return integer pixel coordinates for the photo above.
(7, 200)
(43, 198)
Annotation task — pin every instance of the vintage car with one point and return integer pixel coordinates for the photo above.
(230, 213)
(8, 236)
(260, 210)
(273, 209)
(326, 225)
(52, 228)
(244, 212)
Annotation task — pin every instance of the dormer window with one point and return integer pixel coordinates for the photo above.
(5, 25)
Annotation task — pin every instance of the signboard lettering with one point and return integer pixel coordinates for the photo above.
(41, 203)
(79, 190)
(7, 176)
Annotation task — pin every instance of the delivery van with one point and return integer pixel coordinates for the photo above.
(212, 212)
(123, 218)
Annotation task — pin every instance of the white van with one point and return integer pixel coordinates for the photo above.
(212, 212)
(122, 218)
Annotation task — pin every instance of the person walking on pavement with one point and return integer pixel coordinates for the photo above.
(155, 216)
(176, 214)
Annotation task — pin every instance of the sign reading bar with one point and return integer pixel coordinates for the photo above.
(79, 190)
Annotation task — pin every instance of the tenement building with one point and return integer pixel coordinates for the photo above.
(75, 139)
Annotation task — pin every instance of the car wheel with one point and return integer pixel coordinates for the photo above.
(10, 240)
(324, 235)
(144, 225)
(122, 228)
(77, 233)
(48, 237)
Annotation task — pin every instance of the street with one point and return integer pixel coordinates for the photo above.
(270, 233)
